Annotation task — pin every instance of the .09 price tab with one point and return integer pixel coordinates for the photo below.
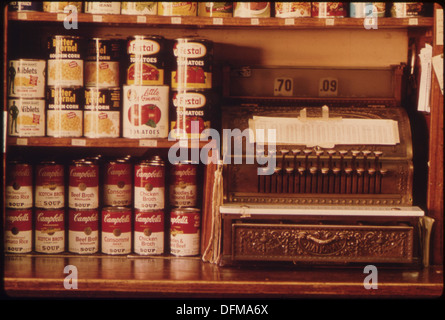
(328, 87)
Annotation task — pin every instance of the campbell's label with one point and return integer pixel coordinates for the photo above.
(50, 230)
(83, 190)
(117, 184)
(50, 186)
(19, 186)
(116, 230)
(183, 186)
(185, 232)
(149, 232)
(149, 186)
(18, 230)
(83, 231)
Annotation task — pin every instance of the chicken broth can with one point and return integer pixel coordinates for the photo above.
(26, 117)
(149, 232)
(49, 185)
(185, 224)
(83, 185)
(18, 231)
(116, 230)
(149, 184)
(118, 183)
(19, 185)
(49, 230)
(83, 231)
(26, 78)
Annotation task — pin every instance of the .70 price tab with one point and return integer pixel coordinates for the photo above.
(283, 87)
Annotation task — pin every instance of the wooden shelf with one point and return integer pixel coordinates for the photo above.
(141, 20)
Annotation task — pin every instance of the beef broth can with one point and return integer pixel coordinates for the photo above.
(183, 185)
(26, 78)
(19, 185)
(116, 230)
(49, 185)
(149, 184)
(145, 112)
(50, 230)
(83, 185)
(18, 231)
(26, 117)
(185, 224)
(83, 231)
(149, 232)
(117, 186)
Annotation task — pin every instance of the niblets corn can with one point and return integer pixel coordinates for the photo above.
(116, 230)
(26, 117)
(49, 230)
(18, 230)
(149, 232)
(83, 231)
(49, 185)
(26, 78)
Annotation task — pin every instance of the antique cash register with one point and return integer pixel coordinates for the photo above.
(318, 177)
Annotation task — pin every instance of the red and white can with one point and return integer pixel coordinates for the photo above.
(185, 225)
(83, 231)
(116, 230)
(183, 185)
(117, 185)
(18, 230)
(19, 185)
(149, 232)
(149, 184)
(49, 188)
(50, 230)
(83, 185)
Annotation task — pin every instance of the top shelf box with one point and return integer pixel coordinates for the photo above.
(206, 22)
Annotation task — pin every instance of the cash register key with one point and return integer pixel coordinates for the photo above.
(366, 153)
(296, 151)
(284, 151)
(301, 170)
(371, 171)
(307, 151)
(324, 171)
(336, 171)
(332, 152)
(360, 171)
(348, 170)
(289, 170)
(343, 152)
(378, 153)
(313, 170)
(355, 153)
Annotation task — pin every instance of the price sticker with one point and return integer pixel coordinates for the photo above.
(141, 19)
(289, 22)
(218, 21)
(176, 20)
(283, 87)
(97, 18)
(413, 21)
(61, 16)
(330, 22)
(22, 141)
(148, 143)
(22, 16)
(254, 21)
(328, 87)
(78, 142)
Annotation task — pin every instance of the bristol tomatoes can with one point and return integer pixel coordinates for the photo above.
(117, 186)
(49, 190)
(18, 230)
(116, 230)
(49, 230)
(185, 234)
(149, 232)
(145, 112)
(83, 190)
(149, 184)
(193, 67)
(83, 231)
(19, 184)
(146, 60)
(183, 185)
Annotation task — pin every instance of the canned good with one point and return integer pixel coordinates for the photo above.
(215, 9)
(103, 7)
(149, 184)
(177, 8)
(19, 182)
(102, 63)
(365, 9)
(18, 230)
(117, 187)
(185, 232)
(102, 112)
(329, 9)
(25, 6)
(146, 60)
(145, 112)
(83, 231)
(64, 111)
(184, 185)
(193, 65)
(149, 232)
(26, 117)
(83, 190)
(59, 6)
(49, 185)
(116, 230)
(406, 9)
(251, 9)
(143, 8)
(26, 78)
(292, 9)
(50, 230)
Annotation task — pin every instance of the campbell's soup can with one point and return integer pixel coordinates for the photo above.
(292, 9)
(215, 9)
(83, 231)
(49, 190)
(146, 60)
(102, 112)
(26, 78)
(26, 117)
(185, 234)
(18, 230)
(149, 184)
(59, 6)
(184, 184)
(139, 7)
(83, 190)
(19, 185)
(149, 232)
(251, 9)
(117, 186)
(49, 230)
(103, 7)
(102, 62)
(329, 9)
(177, 8)
(116, 230)
(193, 64)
